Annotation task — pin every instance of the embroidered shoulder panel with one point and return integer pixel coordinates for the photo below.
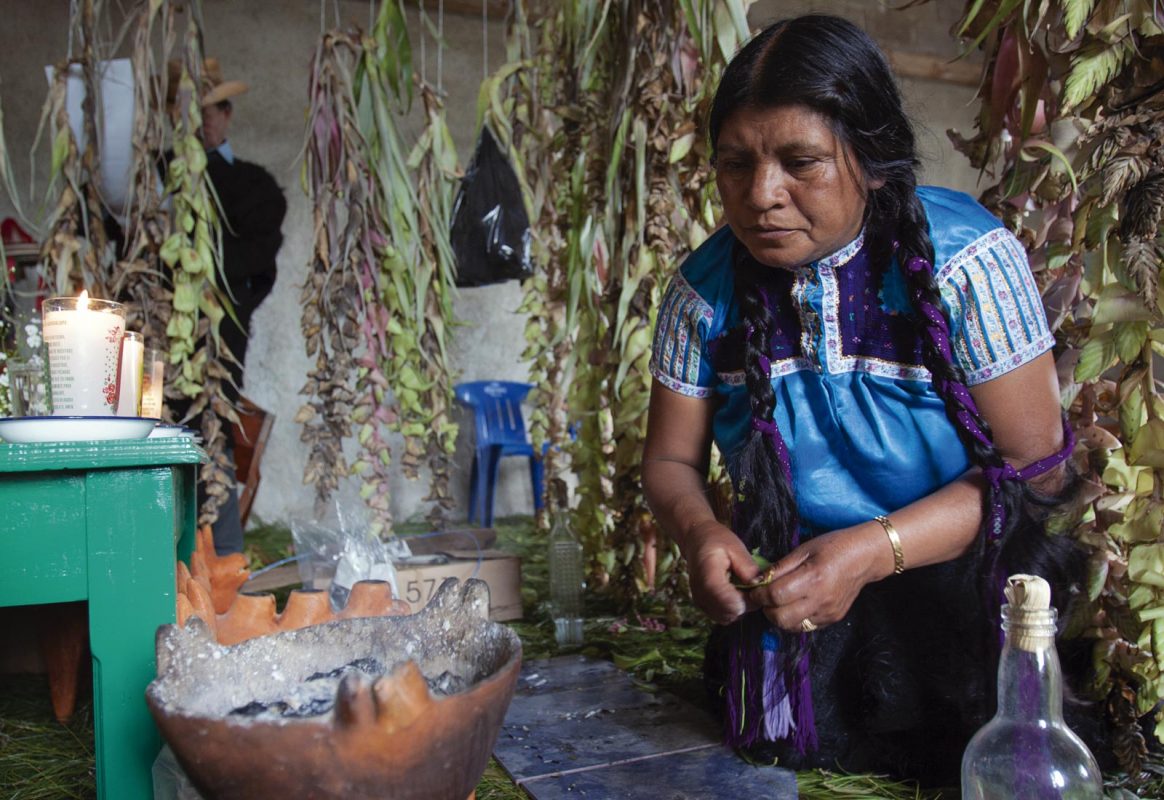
(680, 329)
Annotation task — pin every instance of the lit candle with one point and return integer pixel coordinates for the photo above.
(129, 378)
(83, 338)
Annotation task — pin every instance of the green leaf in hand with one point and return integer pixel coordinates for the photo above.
(763, 579)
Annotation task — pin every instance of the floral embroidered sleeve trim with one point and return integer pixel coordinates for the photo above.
(997, 318)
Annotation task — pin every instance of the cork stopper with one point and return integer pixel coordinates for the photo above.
(1027, 592)
(1030, 619)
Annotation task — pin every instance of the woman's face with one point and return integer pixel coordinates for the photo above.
(792, 191)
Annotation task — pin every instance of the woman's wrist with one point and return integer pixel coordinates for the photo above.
(695, 533)
(880, 558)
(894, 543)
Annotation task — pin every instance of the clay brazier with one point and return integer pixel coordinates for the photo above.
(407, 707)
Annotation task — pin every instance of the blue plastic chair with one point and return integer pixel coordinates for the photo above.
(500, 433)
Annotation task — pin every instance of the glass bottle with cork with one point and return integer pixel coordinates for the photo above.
(566, 579)
(1027, 750)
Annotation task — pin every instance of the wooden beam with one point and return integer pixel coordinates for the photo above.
(497, 9)
(920, 65)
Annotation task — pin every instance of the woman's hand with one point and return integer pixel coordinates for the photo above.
(714, 554)
(820, 579)
(675, 459)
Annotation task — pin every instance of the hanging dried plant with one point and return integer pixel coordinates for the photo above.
(379, 298)
(616, 167)
(193, 254)
(139, 277)
(522, 104)
(434, 160)
(414, 286)
(1071, 128)
(342, 268)
(74, 246)
(167, 273)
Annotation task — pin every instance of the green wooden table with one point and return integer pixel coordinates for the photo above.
(102, 522)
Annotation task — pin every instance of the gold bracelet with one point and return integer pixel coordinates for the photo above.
(894, 542)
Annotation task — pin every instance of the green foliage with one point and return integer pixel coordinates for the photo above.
(1080, 149)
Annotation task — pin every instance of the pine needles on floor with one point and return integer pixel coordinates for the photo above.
(41, 759)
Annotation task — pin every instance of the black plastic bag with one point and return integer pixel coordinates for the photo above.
(490, 233)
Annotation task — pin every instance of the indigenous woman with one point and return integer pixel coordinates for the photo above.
(872, 359)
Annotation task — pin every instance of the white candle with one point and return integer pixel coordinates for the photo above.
(129, 378)
(83, 338)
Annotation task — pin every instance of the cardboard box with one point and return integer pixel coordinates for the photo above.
(419, 578)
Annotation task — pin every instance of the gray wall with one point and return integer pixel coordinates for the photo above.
(269, 45)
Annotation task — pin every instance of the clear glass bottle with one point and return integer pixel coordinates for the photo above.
(1027, 751)
(566, 579)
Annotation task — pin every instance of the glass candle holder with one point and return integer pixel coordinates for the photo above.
(153, 381)
(28, 388)
(83, 339)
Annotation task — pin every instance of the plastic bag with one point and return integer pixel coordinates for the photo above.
(490, 233)
(170, 781)
(341, 549)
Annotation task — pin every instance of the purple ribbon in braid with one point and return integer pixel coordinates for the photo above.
(769, 428)
(937, 331)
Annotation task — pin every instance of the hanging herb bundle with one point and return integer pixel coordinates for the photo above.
(193, 254)
(1072, 129)
(527, 105)
(426, 421)
(657, 207)
(621, 190)
(414, 284)
(74, 246)
(336, 318)
(395, 249)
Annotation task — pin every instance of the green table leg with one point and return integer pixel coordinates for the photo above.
(131, 530)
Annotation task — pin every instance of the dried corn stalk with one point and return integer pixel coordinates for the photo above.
(74, 246)
(1071, 129)
(139, 278)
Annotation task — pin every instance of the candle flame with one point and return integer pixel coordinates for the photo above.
(83, 300)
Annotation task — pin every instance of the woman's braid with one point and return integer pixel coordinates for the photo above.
(766, 509)
(1013, 531)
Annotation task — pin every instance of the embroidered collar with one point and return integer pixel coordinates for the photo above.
(842, 256)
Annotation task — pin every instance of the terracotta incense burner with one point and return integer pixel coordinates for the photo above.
(407, 707)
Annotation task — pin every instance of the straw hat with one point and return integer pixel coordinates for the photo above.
(214, 88)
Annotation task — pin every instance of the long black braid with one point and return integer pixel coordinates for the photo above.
(766, 515)
(1020, 544)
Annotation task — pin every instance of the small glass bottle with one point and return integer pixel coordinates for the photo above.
(1027, 751)
(565, 573)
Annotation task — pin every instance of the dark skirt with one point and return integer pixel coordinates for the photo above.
(901, 684)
